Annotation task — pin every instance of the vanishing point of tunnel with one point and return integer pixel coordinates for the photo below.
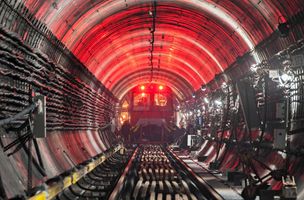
(152, 99)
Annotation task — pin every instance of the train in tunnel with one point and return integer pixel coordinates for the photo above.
(151, 99)
(147, 114)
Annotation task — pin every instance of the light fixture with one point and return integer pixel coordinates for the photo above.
(206, 100)
(224, 85)
(203, 88)
(254, 68)
(285, 78)
(193, 95)
(218, 102)
(142, 87)
(160, 87)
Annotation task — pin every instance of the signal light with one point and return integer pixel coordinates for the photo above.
(142, 87)
(160, 87)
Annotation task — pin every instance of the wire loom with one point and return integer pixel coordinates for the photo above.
(71, 104)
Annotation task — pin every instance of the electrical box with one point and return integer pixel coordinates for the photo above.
(192, 140)
(248, 103)
(280, 110)
(39, 125)
(297, 60)
(279, 139)
(274, 74)
(236, 178)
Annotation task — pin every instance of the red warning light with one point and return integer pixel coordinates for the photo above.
(142, 87)
(160, 87)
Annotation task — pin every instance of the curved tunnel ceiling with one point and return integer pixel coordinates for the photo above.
(193, 40)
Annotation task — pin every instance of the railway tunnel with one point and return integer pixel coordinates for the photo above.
(151, 99)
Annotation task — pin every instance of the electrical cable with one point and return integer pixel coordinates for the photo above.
(21, 114)
(38, 154)
(265, 114)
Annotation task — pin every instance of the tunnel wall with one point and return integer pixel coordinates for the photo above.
(33, 62)
(227, 134)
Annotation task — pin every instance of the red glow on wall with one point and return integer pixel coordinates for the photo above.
(189, 42)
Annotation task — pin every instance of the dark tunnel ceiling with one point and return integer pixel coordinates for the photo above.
(194, 39)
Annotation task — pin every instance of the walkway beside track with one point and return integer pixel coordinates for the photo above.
(217, 184)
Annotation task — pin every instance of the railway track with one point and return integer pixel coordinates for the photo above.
(99, 183)
(155, 176)
(150, 173)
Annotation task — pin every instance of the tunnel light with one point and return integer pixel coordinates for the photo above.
(254, 68)
(193, 95)
(285, 78)
(283, 154)
(218, 102)
(224, 85)
(273, 167)
(203, 88)
(206, 100)
(142, 87)
(143, 94)
(160, 87)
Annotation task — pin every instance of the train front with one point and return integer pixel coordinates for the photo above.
(147, 115)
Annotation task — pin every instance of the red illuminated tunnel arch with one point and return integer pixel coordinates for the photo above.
(110, 37)
(179, 70)
(187, 54)
(177, 83)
